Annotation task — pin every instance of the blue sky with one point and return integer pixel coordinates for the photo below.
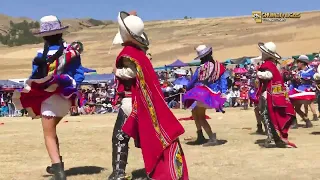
(149, 9)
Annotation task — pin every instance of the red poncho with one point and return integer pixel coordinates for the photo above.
(279, 107)
(152, 123)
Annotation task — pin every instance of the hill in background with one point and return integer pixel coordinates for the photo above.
(230, 37)
(17, 31)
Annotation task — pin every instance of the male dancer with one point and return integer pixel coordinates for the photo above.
(275, 107)
(144, 114)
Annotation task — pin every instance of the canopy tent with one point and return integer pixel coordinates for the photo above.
(286, 62)
(161, 68)
(181, 81)
(285, 58)
(311, 56)
(241, 61)
(177, 63)
(7, 85)
(195, 62)
(98, 78)
(88, 70)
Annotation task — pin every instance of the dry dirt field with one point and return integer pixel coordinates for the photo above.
(176, 39)
(86, 147)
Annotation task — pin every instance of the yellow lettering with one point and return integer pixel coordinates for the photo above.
(296, 15)
(280, 15)
(265, 15)
(277, 89)
(272, 15)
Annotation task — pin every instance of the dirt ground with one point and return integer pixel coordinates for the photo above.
(86, 149)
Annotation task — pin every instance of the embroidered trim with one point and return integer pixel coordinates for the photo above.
(176, 161)
(142, 84)
(178, 164)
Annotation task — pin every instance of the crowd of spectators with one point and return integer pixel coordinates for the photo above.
(7, 108)
(98, 98)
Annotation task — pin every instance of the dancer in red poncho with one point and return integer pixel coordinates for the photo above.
(275, 106)
(143, 115)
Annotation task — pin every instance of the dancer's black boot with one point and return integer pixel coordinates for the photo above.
(315, 117)
(259, 129)
(213, 141)
(119, 160)
(278, 141)
(58, 172)
(120, 149)
(308, 123)
(294, 123)
(49, 168)
(200, 139)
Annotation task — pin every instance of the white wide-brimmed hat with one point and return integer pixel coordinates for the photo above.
(270, 49)
(303, 58)
(49, 26)
(133, 26)
(118, 39)
(202, 51)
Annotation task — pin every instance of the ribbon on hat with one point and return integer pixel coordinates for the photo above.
(134, 13)
(50, 26)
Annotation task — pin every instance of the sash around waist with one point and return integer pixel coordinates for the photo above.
(125, 93)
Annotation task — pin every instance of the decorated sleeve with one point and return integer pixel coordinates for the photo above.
(266, 75)
(223, 83)
(128, 71)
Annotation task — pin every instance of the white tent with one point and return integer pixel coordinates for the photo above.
(20, 81)
(255, 60)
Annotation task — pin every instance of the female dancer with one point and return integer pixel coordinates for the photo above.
(301, 92)
(205, 91)
(51, 89)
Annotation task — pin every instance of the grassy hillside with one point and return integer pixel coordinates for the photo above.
(170, 40)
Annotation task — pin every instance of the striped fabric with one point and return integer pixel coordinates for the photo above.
(210, 72)
(58, 65)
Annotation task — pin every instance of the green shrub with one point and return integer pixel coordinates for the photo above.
(20, 34)
(96, 22)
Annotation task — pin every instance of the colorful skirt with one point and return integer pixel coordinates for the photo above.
(202, 95)
(51, 90)
(307, 95)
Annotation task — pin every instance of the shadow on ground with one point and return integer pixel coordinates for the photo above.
(83, 170)
(139, 174)
(261, 143)
(315, 133)
(220, 142)
(259, 134)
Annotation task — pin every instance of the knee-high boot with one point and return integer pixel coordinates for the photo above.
(120, 149)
